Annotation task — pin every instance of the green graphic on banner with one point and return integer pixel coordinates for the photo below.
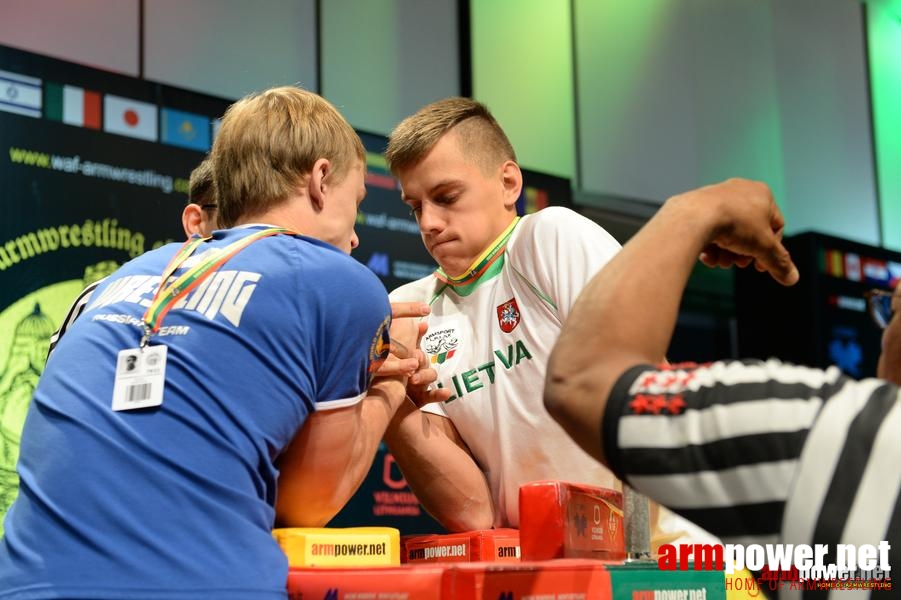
(23, 366)
(25, 330)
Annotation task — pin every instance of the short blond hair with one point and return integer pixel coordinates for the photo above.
(481, 138)
(268, 143)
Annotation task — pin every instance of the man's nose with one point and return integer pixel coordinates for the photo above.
(429, 218)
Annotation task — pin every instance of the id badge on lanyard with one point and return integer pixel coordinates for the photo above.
(141, 372)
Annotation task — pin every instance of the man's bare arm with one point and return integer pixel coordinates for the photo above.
(440, 469)
(625, 316)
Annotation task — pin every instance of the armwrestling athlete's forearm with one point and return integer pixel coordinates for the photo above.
(441, 473)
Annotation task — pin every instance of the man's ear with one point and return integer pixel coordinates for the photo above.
(512, 180)
(317, 185)
(192, 219)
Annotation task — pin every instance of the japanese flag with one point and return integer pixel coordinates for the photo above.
(133, 118)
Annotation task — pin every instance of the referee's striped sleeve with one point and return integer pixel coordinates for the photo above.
(719, 443)
(850, 476)
(81, 302)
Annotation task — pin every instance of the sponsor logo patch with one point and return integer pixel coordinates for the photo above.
(378, 349)
(440, 345)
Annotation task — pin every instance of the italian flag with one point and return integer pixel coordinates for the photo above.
(72, 105)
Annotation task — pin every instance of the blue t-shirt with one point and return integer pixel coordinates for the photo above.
(178, 501)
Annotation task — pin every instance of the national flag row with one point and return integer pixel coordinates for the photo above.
(30, 96)
(854, 267)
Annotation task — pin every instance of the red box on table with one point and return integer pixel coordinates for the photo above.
(490, 545)
(570, 520)
(454, 581)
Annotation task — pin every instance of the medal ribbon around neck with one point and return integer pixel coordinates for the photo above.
(168, 295)
(482, 263)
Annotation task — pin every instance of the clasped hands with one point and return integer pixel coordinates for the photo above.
(406, 359)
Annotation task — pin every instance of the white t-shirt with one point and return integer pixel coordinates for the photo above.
(489, 338)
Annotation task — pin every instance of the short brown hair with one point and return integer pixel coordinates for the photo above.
(200, 185)
(481, 137)
(268, 142)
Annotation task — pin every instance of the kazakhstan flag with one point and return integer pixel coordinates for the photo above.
(188, 130)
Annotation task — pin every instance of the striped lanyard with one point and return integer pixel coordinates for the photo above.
(168, 295)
